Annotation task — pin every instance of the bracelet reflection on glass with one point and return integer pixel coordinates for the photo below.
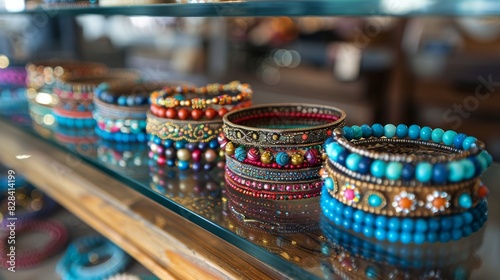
(414, 201)
(119, 125)
(130, 159)
(409, 155)
(282, 125)
(174, 161)
(191, 131)
(405, 230)
(91, 257)
(34, 256)
(12, 99)
(121, 137)
(13, 76)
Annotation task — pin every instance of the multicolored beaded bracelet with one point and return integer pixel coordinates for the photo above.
(165, 99)
(279, 125)
(121, 137)
(414, 201)
(91, 257)
(408, 157)
(46, 73)
(271, 174)
(191, 131)
(174, 161)
(13, 76)
(119, 125)
(196, 114)
(404, 230)
(183, 150)
(29, 258)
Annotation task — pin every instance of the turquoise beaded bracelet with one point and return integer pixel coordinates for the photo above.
(411, 155)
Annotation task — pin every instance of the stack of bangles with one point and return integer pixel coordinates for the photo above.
(274, 151)
(32, 257)
(185, 122)
(75, 96)
(120, 110)
(91, 257)
(405, 184)
(12, 89)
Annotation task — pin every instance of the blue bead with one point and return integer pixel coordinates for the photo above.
(449, 137)
(139, 100)
(446, 223)
(357, 227)
(456, 234)
(459, 140)
(342, 157)
(368, 231)
(469, 142)
(378, 168)
(208, 166)
(334, 150)
(439, 174)
(364, 165)
(141, 137)
(157, 140)
(468, 218)
(469, 168)
(348, 133)
(432, 237)
(377, 130)
(366, 130)
(421, 225)
(402, 131)
(437, 135)
(339, 208)
(240, 153)
(458, 221)
(414, 132)
(375, 200)
(380, 234)
(371, 272)
(393, 236)
(419, 238)
(347, 224)
(352, 161)
(202, 146)
(356, 132)
(389, 130)
(191, 146)
(79, 123)
(131, 100)
(455, 171)
(183, 164)
(394, 170)
(329, 183)
(168, 143)
(408, 172)
(213, 144)
(465, 201)
(197, 166)
(381, 222)
(466, 230)
(426, 133)
(338, 220)
(359, 216)
(348, 212)
(406, 237)
(122, 100)
(488, 157)
(423, 172)
(369, 219)
(407, 225)
(179, 144)
(483, 163)
(394, 224)
(444, 237)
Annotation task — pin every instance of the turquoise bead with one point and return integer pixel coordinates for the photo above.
(333, 150)
(380, 234)
(426, 133)
(407, 225)
(367, 131)
(465, 201)
(468, 142)
(389, 130)
(393, 171)
(421, 225)
(240, 153)
(449, 137)
(437, 135)
(357, 132)
(352, 161)
(375, 200)
(455, 171)
(359, 216)
(377, 130)
(393, 236)
(418, 238)
(414, 132)
(347, 132)
(329, 184)
(381, 222)
(371, 272)
(402, 131)
(406, 238)
(282, 158)
(378, 168)
(423, 172)
(394, 224)
(469, 168)
(483, 162)
(487, 157)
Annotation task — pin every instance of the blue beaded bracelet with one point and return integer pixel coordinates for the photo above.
(121, 137)
(74, 122)
(131, 100)
(446, 158)
(404, 230)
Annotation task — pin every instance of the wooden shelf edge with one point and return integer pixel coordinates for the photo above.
(168, 245)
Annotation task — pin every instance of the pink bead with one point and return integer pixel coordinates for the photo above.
(161, 160)
(196, 155)
(151, 154)
(160, 150)
(349, 194)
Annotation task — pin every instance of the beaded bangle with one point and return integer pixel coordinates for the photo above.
(77, 105)
(46, 73)
(83, 259)
(403, 201)
(119, 125)
(268, 174)
(125, 95)
(29, 258)
(73, 119)
(119, 112)
(239, 126)
(191, 131)
(196, 114)
(409, 157)
(14, 76)
(404, 230)
(121, 137)
(163, 97)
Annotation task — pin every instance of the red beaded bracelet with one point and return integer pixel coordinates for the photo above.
(195, 114)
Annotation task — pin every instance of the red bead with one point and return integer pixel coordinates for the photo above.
(171, 113)
(196, 155)
(210, 113)
(305, 136)
(196, 114)
(183, 114)
(222, 111)
(161, 160)
(160, 112)
(482, 192)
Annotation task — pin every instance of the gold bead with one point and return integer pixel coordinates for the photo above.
(297, 159)
(266, 157)
(229, 148)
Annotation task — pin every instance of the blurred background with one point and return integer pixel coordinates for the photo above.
(441, 72)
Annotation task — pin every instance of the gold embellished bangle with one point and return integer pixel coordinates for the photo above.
(416, 201)
(165, 99)
(275, 125)
(46, 73)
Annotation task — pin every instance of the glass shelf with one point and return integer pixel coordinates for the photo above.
(290, 236)
(273, 8)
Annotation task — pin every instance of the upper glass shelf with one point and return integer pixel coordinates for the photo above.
(266, 8)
